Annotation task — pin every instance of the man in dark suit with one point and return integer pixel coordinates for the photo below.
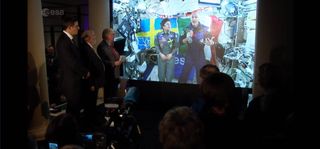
(71, 67)
(96, 68)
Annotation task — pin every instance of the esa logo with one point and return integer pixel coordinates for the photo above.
(50, 12)
(179, 60)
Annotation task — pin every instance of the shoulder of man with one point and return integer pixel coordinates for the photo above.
(101, 44)
(62, 36)
(203, 27)
(87, 46)
(62, 41)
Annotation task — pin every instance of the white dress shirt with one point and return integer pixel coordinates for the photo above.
(95, 51)
(70, 36)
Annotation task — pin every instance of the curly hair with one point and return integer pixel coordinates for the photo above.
(180, 128)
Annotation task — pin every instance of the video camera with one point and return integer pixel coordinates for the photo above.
(121, 128)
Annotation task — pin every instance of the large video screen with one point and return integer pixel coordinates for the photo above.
(170, 40)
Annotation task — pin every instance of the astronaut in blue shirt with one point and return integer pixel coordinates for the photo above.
(166, 44)
(196, 37)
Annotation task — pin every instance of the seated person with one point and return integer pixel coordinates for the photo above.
(270, 80)
(217, 90)
(266, 114)
(221, 126)
(180, 128)
(205, 71)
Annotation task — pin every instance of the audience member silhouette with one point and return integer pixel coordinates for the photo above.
(180, 128)
(52, 74)
(33, 96)
(266, 115)
(64, 130)
(222, 128)
(205, 71)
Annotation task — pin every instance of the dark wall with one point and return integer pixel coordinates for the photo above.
(274, 38)
(165, 95)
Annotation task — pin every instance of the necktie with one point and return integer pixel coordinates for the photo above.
(74, 42)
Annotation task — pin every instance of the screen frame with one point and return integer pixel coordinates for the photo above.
(210, 3)
(175, 83)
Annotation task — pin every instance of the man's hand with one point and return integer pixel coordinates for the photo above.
(118, 62)
(87, 76)
(190, 33)
(92, 88)
(122, 58)
(209, 42)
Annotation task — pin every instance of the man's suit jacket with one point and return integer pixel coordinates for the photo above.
(72, 70)
(95, 65)
(105, 52)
